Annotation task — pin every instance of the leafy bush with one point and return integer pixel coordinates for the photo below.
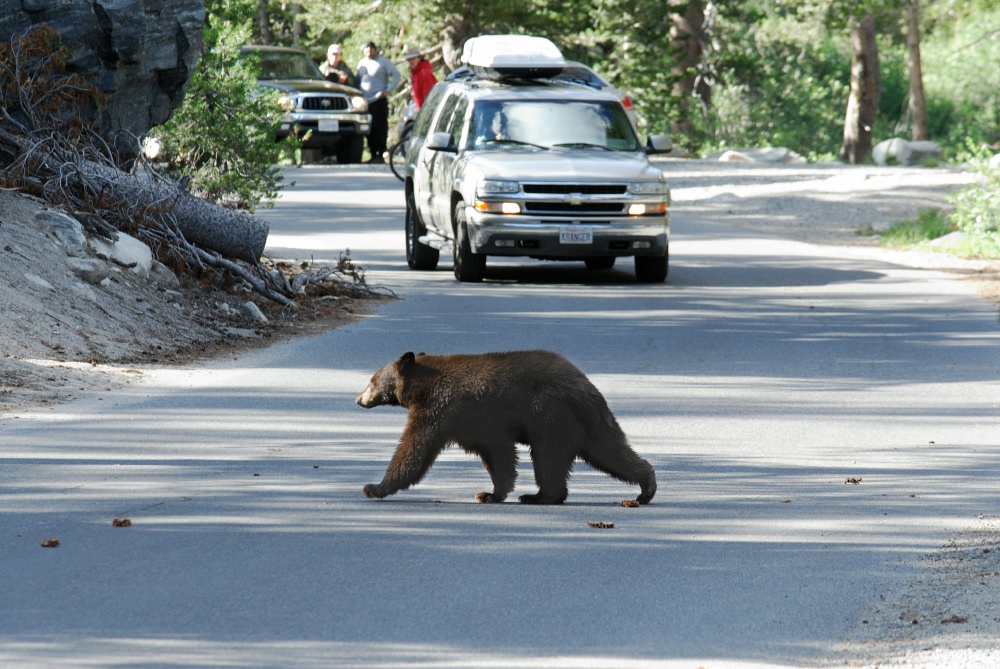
(223, 137)
(930, 224)
(977, 208)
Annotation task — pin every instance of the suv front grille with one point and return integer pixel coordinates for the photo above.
(323, 103)
(582, 189)
(583, 207)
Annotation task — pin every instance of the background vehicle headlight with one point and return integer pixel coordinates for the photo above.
(359, 105)
(648, 188)
(286, 103)
(491, 187)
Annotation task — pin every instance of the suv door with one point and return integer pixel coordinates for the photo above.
(452, 122)
(426, 172)
(418, 168)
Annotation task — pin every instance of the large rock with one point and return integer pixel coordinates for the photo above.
(139, 53)
(765, 155)
(905, 152)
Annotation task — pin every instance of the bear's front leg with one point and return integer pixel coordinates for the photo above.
(418, 448)
(500, 460)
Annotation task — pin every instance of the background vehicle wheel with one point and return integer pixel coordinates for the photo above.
(651, 269)
(418, 256)
(349, 151)
(600, 262)
(469, 267)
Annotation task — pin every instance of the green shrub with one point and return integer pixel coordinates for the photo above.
(930, 224)
(223, 137)
(977, 208)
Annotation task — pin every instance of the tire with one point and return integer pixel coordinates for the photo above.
(349, 151)
(418, 256)
(652, 269)
(600, 262)
(469, 267)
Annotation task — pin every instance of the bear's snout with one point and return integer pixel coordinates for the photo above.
(368, 397)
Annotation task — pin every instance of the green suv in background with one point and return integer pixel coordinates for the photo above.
(330, 116)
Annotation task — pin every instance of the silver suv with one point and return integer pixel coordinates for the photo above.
(534, 167)
(330, 116)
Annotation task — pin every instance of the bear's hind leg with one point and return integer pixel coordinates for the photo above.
(500, 461)
(613, 456)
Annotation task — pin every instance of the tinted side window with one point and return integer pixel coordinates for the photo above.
(458, 122)
(426, 114)
(447, 109)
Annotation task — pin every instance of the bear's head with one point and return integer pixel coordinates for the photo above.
(386, 385)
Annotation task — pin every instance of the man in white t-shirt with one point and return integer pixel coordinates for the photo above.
(377, 77)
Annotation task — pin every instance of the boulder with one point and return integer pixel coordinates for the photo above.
(139, 53)
(66, 229)
(91, 270)
(765, 155)
(127, 251)
(905, 152)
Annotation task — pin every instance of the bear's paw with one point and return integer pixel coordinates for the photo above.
(372, 491)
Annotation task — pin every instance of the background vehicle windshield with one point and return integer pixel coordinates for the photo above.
(551, 123)
(287, 66)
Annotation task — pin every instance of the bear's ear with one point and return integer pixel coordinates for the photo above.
(404, 359)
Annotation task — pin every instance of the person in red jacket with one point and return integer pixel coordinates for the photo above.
(422, 77)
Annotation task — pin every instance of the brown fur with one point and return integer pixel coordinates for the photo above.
(487, 404)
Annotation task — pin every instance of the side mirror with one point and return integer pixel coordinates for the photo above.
(659, 144)
(440, 141)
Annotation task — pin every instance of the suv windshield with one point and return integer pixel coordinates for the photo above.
(285, 65)
(551, 123)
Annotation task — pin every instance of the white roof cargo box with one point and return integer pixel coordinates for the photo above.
(513, 55)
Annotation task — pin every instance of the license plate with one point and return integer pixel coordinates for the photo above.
(329, 125)
(576, 234)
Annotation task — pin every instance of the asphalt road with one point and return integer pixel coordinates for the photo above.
(757, 380)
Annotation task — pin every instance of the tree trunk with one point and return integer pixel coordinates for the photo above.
(231, 233)
(264, 20)
(866, 86)
(299, 26)
(687, 37)
(918, 103)
(457, 29)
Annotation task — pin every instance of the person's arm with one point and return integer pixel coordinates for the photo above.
(394, 77)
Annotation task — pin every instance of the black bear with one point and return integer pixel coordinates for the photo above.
(489, 403)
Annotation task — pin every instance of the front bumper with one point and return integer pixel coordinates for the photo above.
(519, 235)
(347, 125)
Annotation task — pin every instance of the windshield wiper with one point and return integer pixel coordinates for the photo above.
(515, 142)
(583, 145)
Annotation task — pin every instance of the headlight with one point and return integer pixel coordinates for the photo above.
(359, 105)
(490, 187)
(286, 103)
(648, 188)
(494, 207)
(651, 209)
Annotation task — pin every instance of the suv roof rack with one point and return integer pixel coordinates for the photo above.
(524, 56)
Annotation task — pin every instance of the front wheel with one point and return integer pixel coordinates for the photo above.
(652, 269)
(469, 267)
(418, 256)
(397, 160)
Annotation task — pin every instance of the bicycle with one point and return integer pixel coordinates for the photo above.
(397, 152)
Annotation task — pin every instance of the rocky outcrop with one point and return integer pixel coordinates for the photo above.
(139, 53)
